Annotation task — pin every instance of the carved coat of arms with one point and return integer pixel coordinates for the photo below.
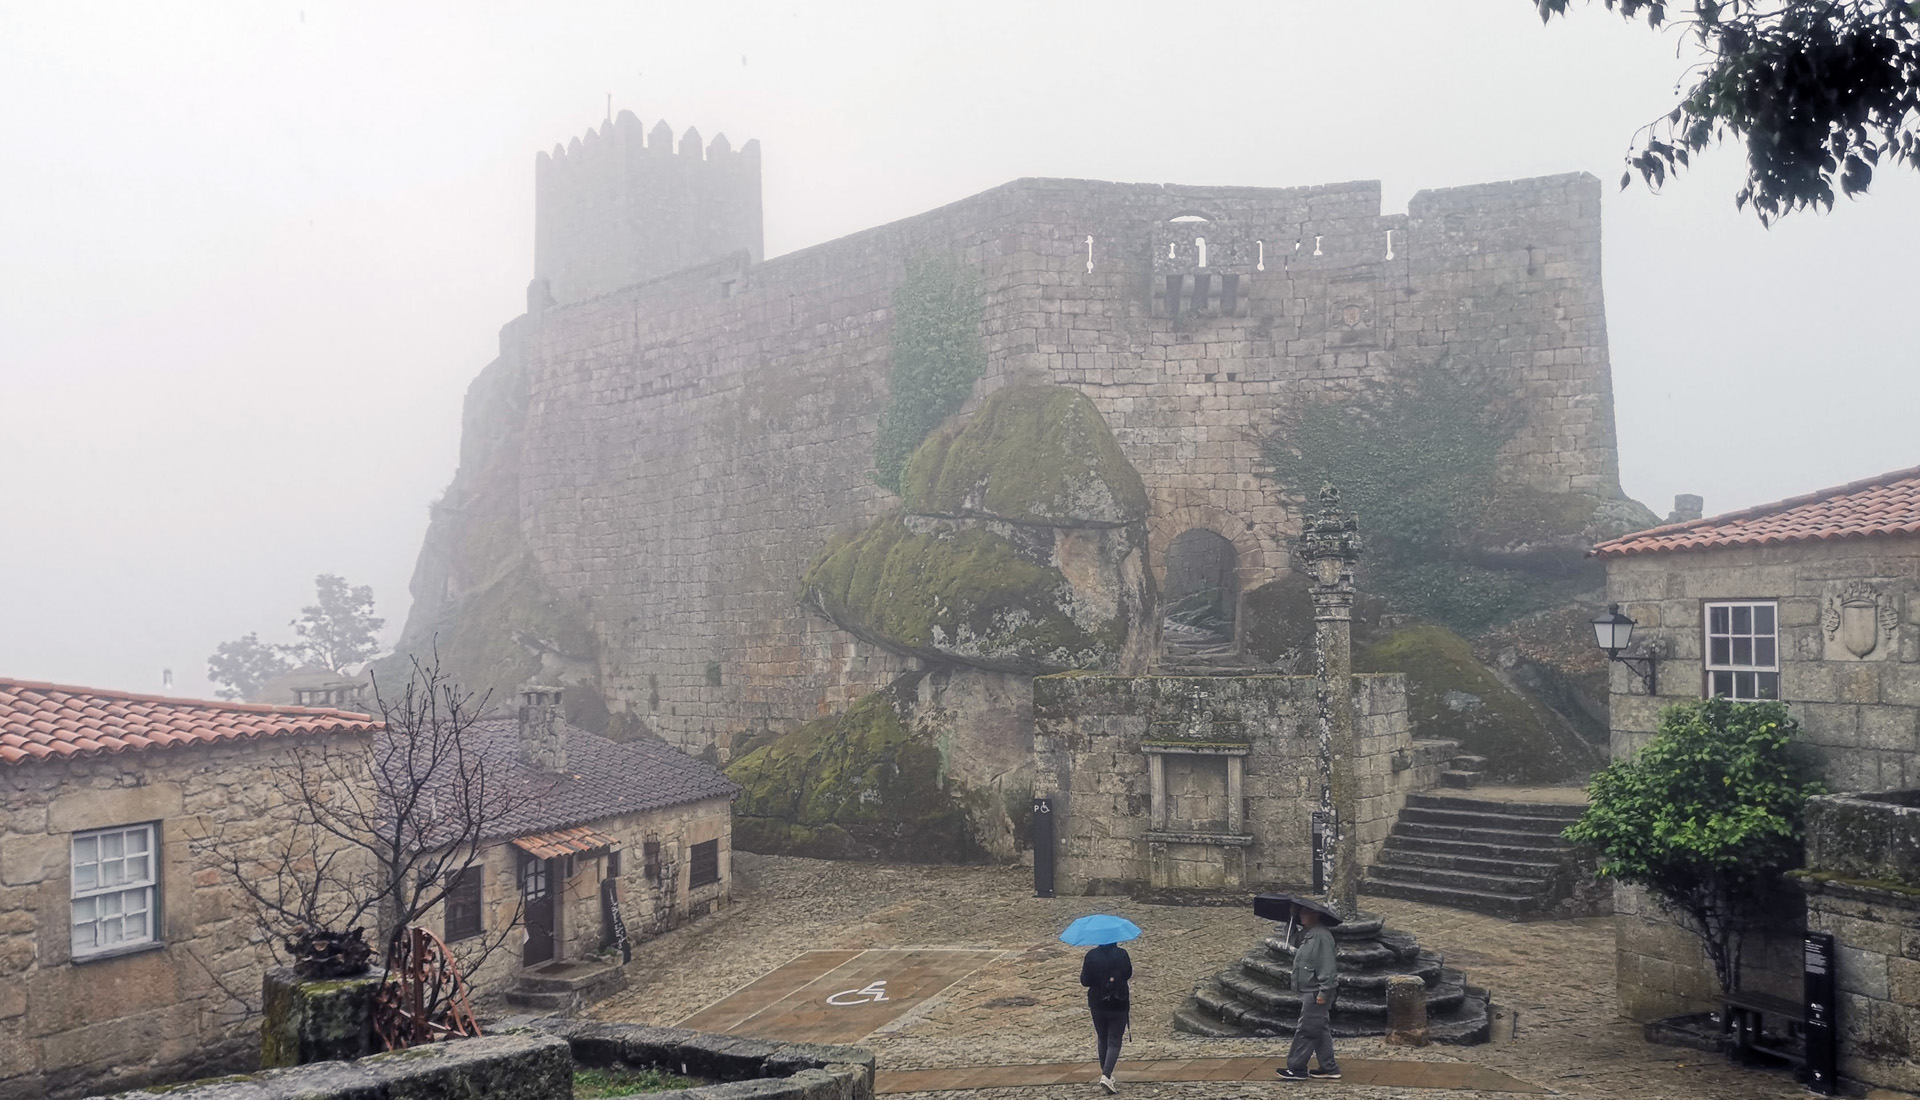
(1861, 619)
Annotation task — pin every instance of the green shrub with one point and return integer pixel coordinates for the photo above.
(1706, 817)
(937, 355)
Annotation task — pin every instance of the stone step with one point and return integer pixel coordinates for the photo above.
(1506, 853)
(1497, 905)
(593, 979)
(1459, 780)
(1389, 950)
(1476, 819)
(1506, 837)
(1280, 971)
(543, 1002)
(1468, 763)
(1466, 1025)
(1254, 990)
(1484, 865)
(1565, 811)
(1476, 881)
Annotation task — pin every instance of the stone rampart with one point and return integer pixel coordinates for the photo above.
(661, 462)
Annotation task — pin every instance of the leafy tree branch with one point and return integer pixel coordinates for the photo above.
(1819, 91)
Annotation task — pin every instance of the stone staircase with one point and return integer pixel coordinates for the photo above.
(1502, 858)
(1254, 996)
(1193, 651)
(1464, 771)
(566, 987)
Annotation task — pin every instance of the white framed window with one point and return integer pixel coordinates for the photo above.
(115, 880)
(1743, 649)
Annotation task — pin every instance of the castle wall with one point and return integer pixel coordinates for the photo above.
(618, 207)
(689, 444)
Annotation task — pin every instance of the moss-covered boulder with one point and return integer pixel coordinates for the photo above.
(1453, 696)
(859, 785)
(970, 595)
(1021, 547)
(1037, 455)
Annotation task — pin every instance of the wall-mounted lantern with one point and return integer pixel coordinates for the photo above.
(1614, 632)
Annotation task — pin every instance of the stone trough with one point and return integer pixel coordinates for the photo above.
(1254, 996)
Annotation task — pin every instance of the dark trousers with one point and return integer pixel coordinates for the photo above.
(1109, 1027)
(1314, 1035)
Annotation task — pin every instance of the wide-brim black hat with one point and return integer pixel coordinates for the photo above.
(1281, 907)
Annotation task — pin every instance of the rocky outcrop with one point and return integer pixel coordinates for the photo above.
(1452, 693)
(860, 785)
(1020, 547)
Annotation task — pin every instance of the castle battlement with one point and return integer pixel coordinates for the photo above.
(622, 204)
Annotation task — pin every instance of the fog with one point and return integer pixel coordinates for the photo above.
(252, 254)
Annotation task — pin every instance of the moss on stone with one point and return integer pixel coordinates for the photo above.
(857, 785)
(1888, 886)
(1031, 454)
(956, 593)
(1454, 697)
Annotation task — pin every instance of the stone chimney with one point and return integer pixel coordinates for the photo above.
(1687, 507)
(543, 733)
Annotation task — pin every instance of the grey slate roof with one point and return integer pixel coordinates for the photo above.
(603, 778)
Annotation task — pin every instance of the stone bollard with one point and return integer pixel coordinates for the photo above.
(1406, 1011)
(316, 1021)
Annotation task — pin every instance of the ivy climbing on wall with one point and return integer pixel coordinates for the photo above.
(1416, 457)
(937, 355)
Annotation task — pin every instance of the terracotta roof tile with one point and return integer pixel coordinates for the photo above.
(603, 779)
(1884, 505)
(42, 721)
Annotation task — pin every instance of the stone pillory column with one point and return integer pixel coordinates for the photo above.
(1330, 544)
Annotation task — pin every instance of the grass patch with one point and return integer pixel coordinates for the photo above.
(596, 1084)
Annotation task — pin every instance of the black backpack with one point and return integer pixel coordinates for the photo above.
(1112, 993)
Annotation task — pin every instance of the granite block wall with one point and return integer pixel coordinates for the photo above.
(161, 1011)
(1859, 715)
(1089, 733)
(663, 460)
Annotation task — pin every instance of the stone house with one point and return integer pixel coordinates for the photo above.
(120, 933)
(1814, 601)
(609, 839)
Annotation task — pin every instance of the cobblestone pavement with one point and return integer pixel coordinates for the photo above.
(1028, 1006)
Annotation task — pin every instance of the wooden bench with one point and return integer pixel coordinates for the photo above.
(1746, 1014)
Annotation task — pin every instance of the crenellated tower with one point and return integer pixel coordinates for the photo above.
(621, 206)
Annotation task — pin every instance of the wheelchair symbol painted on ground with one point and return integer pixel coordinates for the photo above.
(847, 998)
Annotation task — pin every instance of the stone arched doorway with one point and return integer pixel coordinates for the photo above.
(1200, 596)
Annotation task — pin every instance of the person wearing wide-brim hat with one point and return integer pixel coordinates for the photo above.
(1316, 978)
(1106, 972)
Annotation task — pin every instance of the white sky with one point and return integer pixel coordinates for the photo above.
(251, 254)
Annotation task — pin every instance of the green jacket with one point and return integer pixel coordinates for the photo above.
(1316, 963)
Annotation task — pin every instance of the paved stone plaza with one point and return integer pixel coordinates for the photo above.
(1025, 1007)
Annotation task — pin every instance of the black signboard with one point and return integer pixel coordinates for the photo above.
(1043, 847)
(1821, 1072)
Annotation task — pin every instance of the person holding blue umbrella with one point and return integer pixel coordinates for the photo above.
(1105, 972)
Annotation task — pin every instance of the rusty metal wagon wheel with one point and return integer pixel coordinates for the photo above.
(425, 998)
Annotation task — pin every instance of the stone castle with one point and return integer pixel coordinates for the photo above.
(676, 427)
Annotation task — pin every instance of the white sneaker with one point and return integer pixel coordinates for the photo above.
(1107, 1083)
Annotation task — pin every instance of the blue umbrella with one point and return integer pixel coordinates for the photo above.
(1099, 929)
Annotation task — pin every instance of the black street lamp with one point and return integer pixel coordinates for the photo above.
(1614, 632)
